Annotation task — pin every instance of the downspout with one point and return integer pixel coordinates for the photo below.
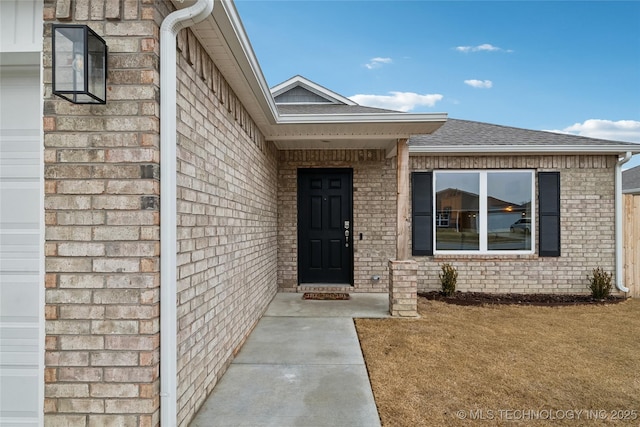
(173, 23)
(619, 225)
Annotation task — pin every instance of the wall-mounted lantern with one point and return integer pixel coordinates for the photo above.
(79, 64)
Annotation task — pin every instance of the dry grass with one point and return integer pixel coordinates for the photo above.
(505, 358)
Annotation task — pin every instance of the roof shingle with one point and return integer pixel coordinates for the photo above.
(457, 132)
(631, 180)
(329, 109)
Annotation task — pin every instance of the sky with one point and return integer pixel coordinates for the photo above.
(564, 66)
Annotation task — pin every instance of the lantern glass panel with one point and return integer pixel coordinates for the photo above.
(97, 51)
(69, 43)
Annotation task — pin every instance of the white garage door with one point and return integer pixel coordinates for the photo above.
(21, 280)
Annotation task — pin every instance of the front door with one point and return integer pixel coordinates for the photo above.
(325, 247)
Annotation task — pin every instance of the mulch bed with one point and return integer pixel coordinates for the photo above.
(545, 300)
(325, 296)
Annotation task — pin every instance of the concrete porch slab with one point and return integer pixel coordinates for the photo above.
(365, 305)
(301, 366)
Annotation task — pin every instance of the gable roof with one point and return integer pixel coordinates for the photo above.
(631, 180)
(318, 94)
(464, 136)
(285, 109)
(299, 100)
(299, 95)
(455, 136)
(224, 38)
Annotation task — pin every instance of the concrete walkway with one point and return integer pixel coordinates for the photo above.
(301, 366)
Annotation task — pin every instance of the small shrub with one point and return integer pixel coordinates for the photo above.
(600, 284)
(448, 279)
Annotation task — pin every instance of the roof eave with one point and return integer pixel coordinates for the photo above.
(373, 127)
(362, 118)
(522, 149)
(225, 39)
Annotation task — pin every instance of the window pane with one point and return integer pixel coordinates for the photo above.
(509, 211)
(457, 211)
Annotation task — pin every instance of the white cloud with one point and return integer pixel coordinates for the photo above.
(481, 84)
(378, 62)
(486, 47)
(399, 101)
(622, 130)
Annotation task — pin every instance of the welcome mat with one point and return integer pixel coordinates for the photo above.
(325, 296)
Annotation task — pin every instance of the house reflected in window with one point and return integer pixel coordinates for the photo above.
(483, 211)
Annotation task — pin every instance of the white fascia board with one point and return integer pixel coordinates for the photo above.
(398, 118)
(229, 23)
(521, 149)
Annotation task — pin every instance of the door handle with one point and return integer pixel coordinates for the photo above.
(346, 237)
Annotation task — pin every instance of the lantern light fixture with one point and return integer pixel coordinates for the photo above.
(79, 64)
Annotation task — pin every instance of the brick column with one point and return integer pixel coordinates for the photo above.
(403, 288)
(403, 273)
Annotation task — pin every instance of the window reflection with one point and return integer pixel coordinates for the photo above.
(457, 211)
(509, 211)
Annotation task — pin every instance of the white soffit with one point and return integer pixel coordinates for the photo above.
(226, 41)
(372, 131)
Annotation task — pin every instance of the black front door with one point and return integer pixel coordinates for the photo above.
(325, 253)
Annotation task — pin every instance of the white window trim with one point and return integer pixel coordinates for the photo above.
(483, 234)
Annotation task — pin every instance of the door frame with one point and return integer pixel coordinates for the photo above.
(346, 171)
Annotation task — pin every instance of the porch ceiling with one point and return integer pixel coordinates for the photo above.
(347, 132)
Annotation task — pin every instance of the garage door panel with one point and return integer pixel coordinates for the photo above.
(21, 249)
(16, 386)
(20, 206)
(18, 293)
(20, 154)
(19, 347)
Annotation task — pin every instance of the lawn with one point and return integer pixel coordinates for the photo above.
(506, 365)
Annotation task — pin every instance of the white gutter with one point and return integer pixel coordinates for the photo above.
(173, 23)
(361, 118)
(619, 224)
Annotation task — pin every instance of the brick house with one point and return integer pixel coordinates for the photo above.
(245, 191)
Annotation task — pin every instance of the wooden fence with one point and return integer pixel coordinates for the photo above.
(632, 243)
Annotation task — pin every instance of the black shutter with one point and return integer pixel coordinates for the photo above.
(549, 202)
(422, 213)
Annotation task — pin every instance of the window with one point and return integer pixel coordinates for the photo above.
(474, 212)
